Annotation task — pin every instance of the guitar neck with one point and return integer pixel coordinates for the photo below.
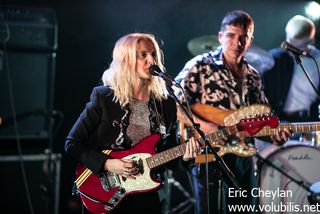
(166, 156)
(294, 127)
(178, 151)
(222, 133)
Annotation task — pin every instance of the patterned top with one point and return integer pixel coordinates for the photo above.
(208, 80)
(139, 124)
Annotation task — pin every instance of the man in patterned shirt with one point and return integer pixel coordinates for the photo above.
(224, 79)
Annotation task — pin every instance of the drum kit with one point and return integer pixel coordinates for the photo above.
(292, 170)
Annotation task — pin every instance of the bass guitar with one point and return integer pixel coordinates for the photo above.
(104, 193)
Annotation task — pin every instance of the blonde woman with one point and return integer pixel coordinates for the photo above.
(130, 106)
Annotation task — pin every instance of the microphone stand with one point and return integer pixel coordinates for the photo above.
(299, 62)
(223, 167)
(314, 197)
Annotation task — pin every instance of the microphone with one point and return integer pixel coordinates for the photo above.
(156, 71)
(287, 46)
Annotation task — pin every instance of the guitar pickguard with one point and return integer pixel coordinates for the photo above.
(142, 181)
(126, 186)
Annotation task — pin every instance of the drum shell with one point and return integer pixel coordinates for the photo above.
(299, 160)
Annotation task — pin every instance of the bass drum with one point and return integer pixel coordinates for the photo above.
(298, 159)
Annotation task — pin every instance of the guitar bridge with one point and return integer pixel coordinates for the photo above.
(115, 199)
(109, 181)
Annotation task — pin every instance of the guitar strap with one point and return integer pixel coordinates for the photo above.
(161, 126)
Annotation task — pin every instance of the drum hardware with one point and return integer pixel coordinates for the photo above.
(184, 205)
(313, 189)
(313, 137)
(314, 198)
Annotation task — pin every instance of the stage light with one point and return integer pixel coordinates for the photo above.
(312, 10)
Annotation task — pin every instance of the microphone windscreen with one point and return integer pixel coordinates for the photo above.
(154, 70)
(284, 45)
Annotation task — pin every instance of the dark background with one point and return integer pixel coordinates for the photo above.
(88, 30)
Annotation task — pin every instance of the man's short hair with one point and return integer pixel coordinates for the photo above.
(237, 18)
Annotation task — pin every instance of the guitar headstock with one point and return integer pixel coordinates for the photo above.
(254, 125)
(254, 110)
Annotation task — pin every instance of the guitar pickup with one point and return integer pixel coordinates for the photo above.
(109, 181)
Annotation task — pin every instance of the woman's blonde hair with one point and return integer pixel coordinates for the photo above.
(122, 76)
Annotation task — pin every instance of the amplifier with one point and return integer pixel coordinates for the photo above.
(28, 43)
(43, 186)
(28, 28)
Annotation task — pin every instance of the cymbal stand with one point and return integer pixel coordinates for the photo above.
(184, 205)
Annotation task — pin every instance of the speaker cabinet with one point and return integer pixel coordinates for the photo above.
(27, 82)
(28, 44)
(43, 184)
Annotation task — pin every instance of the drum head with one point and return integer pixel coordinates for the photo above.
(302, 163)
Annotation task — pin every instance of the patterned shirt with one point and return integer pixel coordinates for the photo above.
(139, 123)
(207, 79)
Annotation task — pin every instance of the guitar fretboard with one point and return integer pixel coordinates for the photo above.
(295, 127)
(170, 154)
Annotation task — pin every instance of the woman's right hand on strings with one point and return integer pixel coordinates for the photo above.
(123, 167)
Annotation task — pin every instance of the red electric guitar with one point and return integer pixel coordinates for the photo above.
(105, 193)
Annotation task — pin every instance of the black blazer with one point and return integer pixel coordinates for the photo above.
(103, 114)
(277, 83)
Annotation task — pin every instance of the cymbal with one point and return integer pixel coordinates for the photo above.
(203, 44)
(259, 58)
